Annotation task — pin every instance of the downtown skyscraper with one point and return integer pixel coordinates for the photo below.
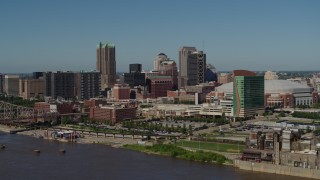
(192, 67)
(106, 64)
(248, 94)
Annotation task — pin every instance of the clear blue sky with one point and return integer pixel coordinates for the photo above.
(42, 35)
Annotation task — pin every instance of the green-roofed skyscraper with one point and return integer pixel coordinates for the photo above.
(106, 64)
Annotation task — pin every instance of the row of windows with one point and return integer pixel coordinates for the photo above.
(163, 82)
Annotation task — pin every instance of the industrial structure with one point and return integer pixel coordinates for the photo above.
(283, 147)
(14, 114)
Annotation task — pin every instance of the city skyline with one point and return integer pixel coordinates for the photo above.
(53, 36)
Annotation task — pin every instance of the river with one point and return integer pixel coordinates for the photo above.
(81, 161)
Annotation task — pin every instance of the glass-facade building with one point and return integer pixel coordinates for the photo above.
(248, 94)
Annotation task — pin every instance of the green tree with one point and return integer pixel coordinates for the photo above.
(282, 114)
(184, 129)
(308, 130)
(66, 120)
(167, 127)
(190, 130)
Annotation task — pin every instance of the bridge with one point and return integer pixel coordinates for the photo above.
(15, 114)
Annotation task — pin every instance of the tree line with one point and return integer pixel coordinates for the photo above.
(221, 120)
(157, 127)
(308, 115)
(18, 101)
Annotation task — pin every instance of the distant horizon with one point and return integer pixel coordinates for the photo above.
(119, 72)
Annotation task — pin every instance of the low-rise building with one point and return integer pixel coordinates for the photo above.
(112, 113)
(121, 92)
(42, 106)
(156, 86)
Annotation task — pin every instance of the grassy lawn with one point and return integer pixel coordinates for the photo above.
(222, 147)
(178, 152)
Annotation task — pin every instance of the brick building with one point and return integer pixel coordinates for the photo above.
(42, 106)
(121, 92)
(112, 113)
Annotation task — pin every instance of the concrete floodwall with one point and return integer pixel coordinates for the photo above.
(277, 169)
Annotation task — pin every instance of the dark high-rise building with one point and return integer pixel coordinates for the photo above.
(70, 85)
(64, 85)
(248, 93)
(192, 66)
(48, 78)
(88, 85)
(106, 64)
(135, 68)
(135, 79)
(37, 75)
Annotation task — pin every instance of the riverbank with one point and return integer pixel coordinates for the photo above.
(129, 143)
(180, 153)
(119, 141)
(9, 129)
(83, 139)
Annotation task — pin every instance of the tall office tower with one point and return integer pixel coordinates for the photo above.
(192, 66)
(88, 84)
(135, 68)
(106, 64)
(161, 57)
(11, 85)
(248, 93)
(169, 68)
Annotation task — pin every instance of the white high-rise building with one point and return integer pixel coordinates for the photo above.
(159, 59)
